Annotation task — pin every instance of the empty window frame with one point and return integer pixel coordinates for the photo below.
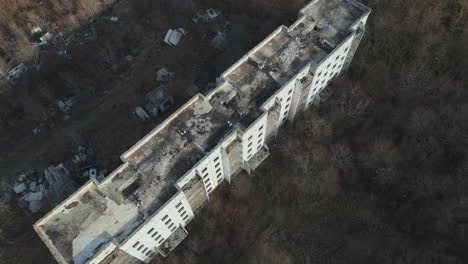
(150, 231)
(174, 228)
(144, 250)
(185, 218)
(216, 159)
(161, 240)
(205, 169)
(155, 234)
(289, 99)
(140, 247)
(260, 128)
(136, 244)
(290, 91)
(165, 217)
(178, 205)
(250, 138)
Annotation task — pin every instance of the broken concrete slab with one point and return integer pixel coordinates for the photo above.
(36, 29)
(159, 100)
(206, 15)
(33, 196)
(19, 188)
(15, 73)
(163, 75)
(219, 40)
(46, 37)
(173, 36)
(35, 206)
(141, 113)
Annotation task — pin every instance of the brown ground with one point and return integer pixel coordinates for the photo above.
(376, 175)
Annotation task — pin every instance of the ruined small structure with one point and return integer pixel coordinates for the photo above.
(142, 208)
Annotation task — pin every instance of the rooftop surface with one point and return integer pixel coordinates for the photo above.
(99, 213)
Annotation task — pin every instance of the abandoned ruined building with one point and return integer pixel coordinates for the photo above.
(142, 208)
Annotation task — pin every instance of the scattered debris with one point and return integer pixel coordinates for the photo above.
(16, 72)
(65, 105)
(141, 113)
(46, 37)
(19, 188)
(37, 130)
(60, 183)
(163, 75)
(81, 156)
(35, 191)
(36, 30)
(158, 101)
(219, 40)
(93, 173)
(173, 36)
(206, 15)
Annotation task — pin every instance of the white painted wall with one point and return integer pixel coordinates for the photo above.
(211, 170)
(329, 69)
(159, 227)
(285, 98)
(254, 137)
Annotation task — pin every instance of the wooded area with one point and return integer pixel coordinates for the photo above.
(377, 174)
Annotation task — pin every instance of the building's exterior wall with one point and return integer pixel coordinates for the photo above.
(159, 227)
(254, 137)
(328, 69)
(211, 170)
(235, 149)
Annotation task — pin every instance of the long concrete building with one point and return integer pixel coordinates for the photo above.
(142, 208)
